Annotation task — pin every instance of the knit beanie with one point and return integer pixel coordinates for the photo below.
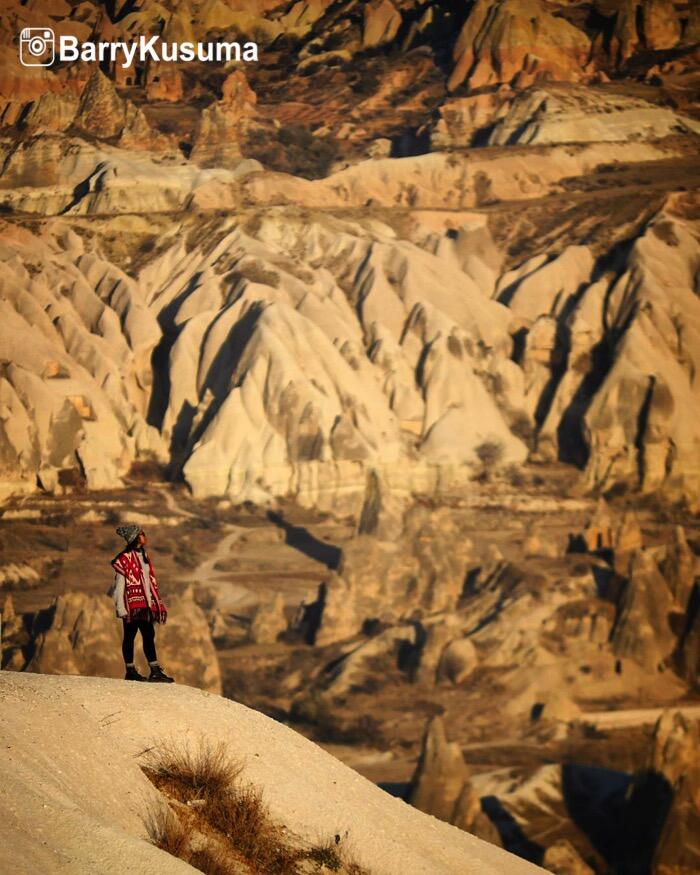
(129, 532)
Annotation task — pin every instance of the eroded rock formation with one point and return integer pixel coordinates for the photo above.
(441, 785)
(222, 125)
(517, 41)
(398, 348)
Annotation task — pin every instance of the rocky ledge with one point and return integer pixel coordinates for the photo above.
(70, 770)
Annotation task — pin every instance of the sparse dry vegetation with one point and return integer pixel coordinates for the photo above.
(293, 149)
(220, 824)
(489, 454)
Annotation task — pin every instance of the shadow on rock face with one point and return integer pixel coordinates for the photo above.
(301, 539)
(621, 814)
(510, 831)
(398, 789)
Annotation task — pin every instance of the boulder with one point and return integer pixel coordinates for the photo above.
(419, 574)
(11, 623)
(653, 23)
(676, 850)
(185, 644)
(164, 82)
(469, 816)
(379, 148)
(335, 614)
(675, 746)
(17, 575)
(83, 637)
(691, 34)
(597, 532)
(620, 535)
(441, 551)
(627, 534)
(458, 660)
(557, 707)
(460, 119)
(138, 134)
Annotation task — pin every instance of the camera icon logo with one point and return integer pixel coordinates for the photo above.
(37, 47)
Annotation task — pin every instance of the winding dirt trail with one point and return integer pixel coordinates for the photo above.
(231, 596)
(206, 572)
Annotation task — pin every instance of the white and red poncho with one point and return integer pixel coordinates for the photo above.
(135, 601)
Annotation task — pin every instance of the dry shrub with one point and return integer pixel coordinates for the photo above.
(330, 856)
(514, 475)
(326, 855)
(490, 453)
(174, 835)
(167, 831)
(243, 818)
(231, 816)
(205, 772)
(212, 861)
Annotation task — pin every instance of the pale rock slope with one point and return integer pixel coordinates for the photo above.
(78, 380)
(289, 354)
(440, 181)
(73, 792)
(53, 174)
(552, 113)
(577, 115)
(260, 373)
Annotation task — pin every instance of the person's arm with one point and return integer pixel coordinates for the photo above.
(119, 593)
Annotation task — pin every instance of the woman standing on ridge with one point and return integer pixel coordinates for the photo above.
(137, 602)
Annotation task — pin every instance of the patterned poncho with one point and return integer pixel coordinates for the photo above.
(128, 565)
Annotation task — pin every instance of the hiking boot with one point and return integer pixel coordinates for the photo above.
(132, 674)
(159, 676)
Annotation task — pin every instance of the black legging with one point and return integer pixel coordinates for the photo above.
(148, 637)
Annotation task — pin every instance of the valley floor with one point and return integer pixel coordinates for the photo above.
(239, 558)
